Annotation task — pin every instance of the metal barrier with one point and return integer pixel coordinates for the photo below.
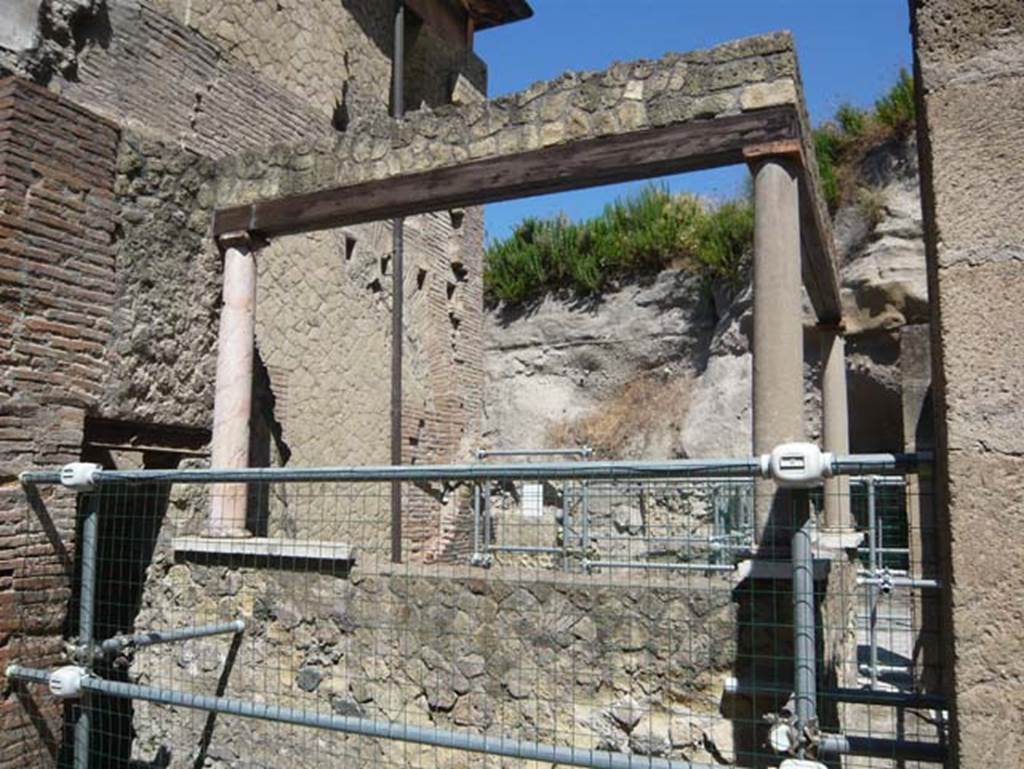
(687, 655)
(526, 523)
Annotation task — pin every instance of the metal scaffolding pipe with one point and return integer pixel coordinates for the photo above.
(29, 675)
(745, 468)
(881, 480)
(398, 294)
(476, 522)
(86, 610)
(862, 464)
(741, 467)
(845, 694)
(442, 738)
(876, 747)
(873, 594)
(114, 645)
(665, 566)
(896, 581)
(804, 645)
(586, 451)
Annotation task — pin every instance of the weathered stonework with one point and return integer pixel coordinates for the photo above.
(632, 664)
(757, 72)
(110, 284)
(969, 64)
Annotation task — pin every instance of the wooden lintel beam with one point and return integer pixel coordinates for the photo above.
(820, 271)
(690, 146)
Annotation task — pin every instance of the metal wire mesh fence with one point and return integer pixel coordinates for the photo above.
(618, 615)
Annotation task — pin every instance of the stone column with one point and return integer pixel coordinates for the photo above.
(835, 422)
(233, 396)
(778, 330)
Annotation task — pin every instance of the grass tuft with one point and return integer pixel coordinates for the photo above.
(639, 234)
(840, 144)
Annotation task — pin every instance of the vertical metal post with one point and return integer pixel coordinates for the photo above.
(488, 533)
(565, 525)
(804, 643)
(872, 587)
(717, 530)
(476, 524)
(398, 283)
(585, 504)
(86, 611)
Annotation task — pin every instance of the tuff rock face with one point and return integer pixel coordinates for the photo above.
(661, 367)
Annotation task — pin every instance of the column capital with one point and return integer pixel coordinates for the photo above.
(240, 239)
(786, 149)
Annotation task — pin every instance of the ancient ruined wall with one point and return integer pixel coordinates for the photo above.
(590, 661)
(334, 56)
(111, 284)
(970, 74)
(741, 76)
(159, 367)
(245, 76)
(159, 78)
(56, 301)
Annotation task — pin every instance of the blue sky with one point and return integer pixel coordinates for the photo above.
(849, 50)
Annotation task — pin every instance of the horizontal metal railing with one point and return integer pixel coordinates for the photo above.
(744, 467)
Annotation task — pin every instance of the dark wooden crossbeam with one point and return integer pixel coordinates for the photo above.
(691, 146)
(586, 163)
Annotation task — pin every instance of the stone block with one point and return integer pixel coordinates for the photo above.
(975, 127)
(978, 334)
(771, 94)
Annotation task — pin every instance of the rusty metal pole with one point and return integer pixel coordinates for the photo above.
(397, 282)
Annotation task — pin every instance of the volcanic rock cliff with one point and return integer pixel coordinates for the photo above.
(661, 366)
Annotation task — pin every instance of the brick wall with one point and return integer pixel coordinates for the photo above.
(162, 79)
(56, 295)
(442, 409)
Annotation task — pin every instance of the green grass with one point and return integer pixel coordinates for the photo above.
(840, 144)
(895, 110)
(636, 235)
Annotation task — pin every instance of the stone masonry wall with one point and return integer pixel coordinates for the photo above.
(57, 165)
(631, 662)
(159, 78)
(347, 45)
(970, 74)
(740, 76)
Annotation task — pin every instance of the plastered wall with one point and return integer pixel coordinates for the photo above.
(970, 74)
